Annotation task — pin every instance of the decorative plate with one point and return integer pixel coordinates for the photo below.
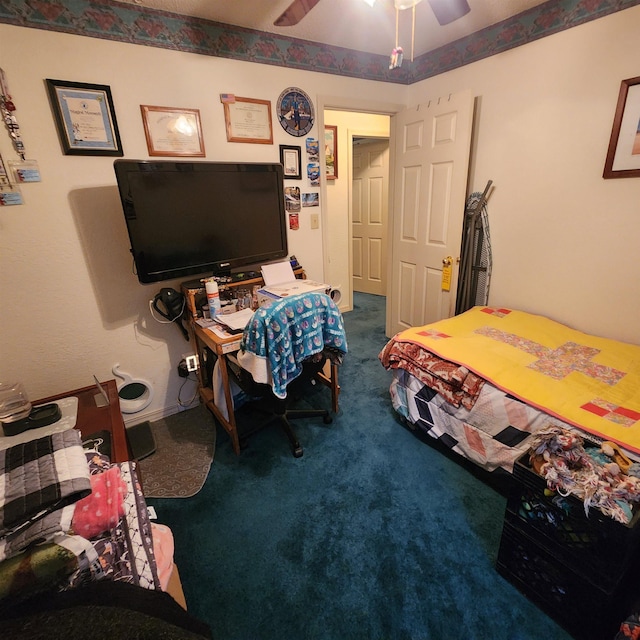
(295, 111)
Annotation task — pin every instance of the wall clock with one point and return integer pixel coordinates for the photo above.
(295, 112)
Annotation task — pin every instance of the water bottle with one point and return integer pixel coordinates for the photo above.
(213, 296)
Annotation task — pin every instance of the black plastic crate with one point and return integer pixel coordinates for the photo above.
(584, 610)
(599, 546)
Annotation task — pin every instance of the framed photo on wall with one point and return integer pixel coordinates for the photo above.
(172, 132)
(623, 154)
(85, 118)
(291, 161)
(331, 151)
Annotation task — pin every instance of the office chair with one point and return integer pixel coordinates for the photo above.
(284, 346)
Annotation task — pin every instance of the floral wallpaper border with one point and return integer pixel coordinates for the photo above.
(138, 25)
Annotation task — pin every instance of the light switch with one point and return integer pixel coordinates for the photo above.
(315, 221)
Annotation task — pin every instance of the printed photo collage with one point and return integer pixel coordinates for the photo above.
(297, 199)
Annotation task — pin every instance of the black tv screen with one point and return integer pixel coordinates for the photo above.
(186, 218)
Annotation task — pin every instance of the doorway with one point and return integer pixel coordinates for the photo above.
(369, 214)
(429, 152)
(342, 246)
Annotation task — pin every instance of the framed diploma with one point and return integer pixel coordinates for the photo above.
(172, 132)
(248, 120)
(85, 118)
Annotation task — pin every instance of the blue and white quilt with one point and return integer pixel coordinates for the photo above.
(283, 334)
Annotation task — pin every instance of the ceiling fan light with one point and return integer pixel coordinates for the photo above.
(401, 5)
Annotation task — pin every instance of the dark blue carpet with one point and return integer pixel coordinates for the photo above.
(372, 534)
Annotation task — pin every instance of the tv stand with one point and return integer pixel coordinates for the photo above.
(210, 347)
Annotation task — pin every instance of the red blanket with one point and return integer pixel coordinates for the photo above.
(455, 383)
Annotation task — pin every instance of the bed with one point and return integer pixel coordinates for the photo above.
(483, 382)
(75, 530)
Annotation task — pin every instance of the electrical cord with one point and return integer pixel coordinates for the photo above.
(181, 402)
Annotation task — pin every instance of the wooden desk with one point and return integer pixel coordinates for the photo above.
(92, 418)
(203, 339)
(221, 347)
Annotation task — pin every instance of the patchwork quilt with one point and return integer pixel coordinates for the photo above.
(493, 434)
(586, 381)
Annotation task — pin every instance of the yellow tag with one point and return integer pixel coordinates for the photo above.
(446, 278)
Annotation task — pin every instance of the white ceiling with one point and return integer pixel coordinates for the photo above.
(350, 23)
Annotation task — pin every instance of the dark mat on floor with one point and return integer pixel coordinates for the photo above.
(185, 445)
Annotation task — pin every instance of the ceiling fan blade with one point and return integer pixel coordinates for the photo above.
(447, 11)
(297, 10)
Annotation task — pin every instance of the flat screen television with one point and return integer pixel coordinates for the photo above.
(187, 218)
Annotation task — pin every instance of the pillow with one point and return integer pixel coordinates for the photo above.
(103, 508)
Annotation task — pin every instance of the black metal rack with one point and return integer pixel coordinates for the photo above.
(475, 263)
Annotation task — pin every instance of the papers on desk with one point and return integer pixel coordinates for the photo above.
(280, 282)
(227, 325)
(277, 273)
(235, 321)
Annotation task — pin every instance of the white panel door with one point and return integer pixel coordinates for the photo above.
(431, 164)
(370, 206)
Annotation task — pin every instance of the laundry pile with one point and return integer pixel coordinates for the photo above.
(602, 477)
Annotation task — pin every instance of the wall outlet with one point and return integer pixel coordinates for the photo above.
(315, 221)
(192, 362)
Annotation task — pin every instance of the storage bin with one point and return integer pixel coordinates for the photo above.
(586, 611)
(595, 545)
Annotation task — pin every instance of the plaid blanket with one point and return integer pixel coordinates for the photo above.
(40, 480)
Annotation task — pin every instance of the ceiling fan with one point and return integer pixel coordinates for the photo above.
(446, 11)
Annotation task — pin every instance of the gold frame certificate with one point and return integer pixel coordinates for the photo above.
(248, 120)
(172, 132)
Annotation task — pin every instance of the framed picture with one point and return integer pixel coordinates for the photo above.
(172, 132)
(331, 151)
(85, 118)
(291, 161)
(248, 120)
(623, 155)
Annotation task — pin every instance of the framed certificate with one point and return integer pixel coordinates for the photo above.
(291, 162)
(248, 120)
(172, 132)
(85, 118)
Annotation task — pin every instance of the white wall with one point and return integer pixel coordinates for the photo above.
(72, 306)
(565, 241)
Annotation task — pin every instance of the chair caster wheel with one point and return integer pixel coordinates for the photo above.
(297, 452)
(327, 419)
